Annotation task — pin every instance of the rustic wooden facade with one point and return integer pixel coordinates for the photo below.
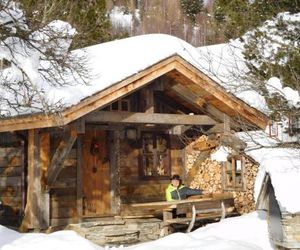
(116, 147)
(284, 227)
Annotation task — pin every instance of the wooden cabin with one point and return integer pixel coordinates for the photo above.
(284, 226)
(119, 146)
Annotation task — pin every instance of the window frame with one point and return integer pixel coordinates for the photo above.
(156, 154)
(119, 105)
(230, 169)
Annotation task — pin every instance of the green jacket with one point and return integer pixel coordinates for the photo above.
(170, 189)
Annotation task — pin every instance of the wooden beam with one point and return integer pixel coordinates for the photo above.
(79, 196)
(147, 99)
(29, 213)
(231, 140)
(114, 146)
(171, 104)
(80, 126)
(216, 129)
(228, 100)
(92, 103)
(143, 118)
(60, 155)
(44, 159)
(126, 86)
(36, 216)
(187, 95)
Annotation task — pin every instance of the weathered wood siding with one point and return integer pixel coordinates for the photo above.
(63, 197)
(135, 189)
(11, 178)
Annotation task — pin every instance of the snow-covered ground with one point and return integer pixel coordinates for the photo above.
(239, 233)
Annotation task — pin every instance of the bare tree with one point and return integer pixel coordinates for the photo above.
(33, 60)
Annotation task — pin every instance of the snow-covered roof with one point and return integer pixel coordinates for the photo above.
(225, 64)
(281, 163)
(112, 62)
(118, 61)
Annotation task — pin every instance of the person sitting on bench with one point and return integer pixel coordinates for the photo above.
(177, 191)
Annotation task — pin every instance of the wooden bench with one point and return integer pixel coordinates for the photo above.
(194, 209)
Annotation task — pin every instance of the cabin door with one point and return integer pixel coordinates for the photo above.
(95, 173)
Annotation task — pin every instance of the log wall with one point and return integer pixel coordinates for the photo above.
(135, 189)
(11, 179)
(63, 197)
(206, 174)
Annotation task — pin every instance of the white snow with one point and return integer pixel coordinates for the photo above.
(12, 240)
(112, 62)
(274, 85)
(28, 64)
(225, 63)
(122, 18)
(247, 232)
(282, 164)
(221, 154)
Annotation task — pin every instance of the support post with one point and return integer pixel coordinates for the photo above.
(35, 215)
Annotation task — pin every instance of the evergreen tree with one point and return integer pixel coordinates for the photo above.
(191, 8)
(88, 17)
(273, 51)
(238, 16)
(271, 44)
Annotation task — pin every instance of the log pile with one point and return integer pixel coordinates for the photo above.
(244, 200)
(206, 174)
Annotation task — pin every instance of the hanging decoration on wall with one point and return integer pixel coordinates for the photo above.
(95, 147)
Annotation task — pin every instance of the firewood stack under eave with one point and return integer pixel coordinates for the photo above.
(206, 174)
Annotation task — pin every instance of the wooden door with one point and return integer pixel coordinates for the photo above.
(96, 174)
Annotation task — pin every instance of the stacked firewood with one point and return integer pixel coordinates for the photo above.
(207, 175)
(244, 200)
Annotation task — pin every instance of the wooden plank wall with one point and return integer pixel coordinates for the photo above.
(63, 197)
(135, 189)
(11, 180)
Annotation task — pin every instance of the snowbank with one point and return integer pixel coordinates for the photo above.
(282, 164)
(240, 233)
(11, 240)
(245, 232)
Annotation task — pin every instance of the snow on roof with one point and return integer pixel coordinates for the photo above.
(225, 63)
(111, 62)
(282, 164)
(114, 61)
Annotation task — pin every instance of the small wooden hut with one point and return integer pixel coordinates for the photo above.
(284, 226)
(117, 146)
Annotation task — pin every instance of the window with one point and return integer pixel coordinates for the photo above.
(120, 105)
(233, 171)
(155, 156)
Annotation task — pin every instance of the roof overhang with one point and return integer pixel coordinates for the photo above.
(197, 80)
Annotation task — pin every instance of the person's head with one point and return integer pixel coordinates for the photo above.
(175, 180)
